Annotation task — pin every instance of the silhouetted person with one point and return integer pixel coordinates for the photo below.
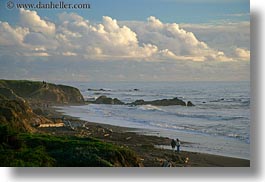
(178, 145)
(173, 144)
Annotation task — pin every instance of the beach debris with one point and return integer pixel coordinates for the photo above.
(187, 160)
(106, 135)
(128, 138)
(166, 164)
(110, 130)
(101, 130)
(70, 125)
(51, 125)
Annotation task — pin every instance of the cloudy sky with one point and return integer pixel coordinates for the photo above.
(147, 40)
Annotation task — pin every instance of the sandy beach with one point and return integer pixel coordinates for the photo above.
(142, 145)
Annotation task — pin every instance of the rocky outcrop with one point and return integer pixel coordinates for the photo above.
(101, 89)
(41, 91)
(190, 104)
(108, 100)
(163, 102)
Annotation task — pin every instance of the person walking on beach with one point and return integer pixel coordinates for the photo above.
(173, 144)
(178, 145)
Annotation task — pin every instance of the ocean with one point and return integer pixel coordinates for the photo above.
(219, 123)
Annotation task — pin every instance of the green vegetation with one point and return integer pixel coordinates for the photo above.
(74, 151)
(46, 150)
(22, 88)
(14, 152)
(20, 146)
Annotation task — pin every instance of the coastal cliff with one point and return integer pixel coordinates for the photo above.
(35, 91)
(24, 144)
(18, 115)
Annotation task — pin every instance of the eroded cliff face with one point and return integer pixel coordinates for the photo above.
(34, 91)
(16, 96)
(18, 115)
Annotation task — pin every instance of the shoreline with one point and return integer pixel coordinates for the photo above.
(221, 146)
(142, 145)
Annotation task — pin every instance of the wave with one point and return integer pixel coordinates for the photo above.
(208, 117)
(246, 103)
(202, 130)
(150, 107)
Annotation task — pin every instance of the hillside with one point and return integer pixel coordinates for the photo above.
(35, 91)
(22, 143)
(18, 115)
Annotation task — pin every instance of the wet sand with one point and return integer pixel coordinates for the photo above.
(142, 145)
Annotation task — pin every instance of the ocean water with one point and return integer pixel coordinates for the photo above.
(219, 123)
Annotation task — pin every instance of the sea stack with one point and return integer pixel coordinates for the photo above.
(190, 104)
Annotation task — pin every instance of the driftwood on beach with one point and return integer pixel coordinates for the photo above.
(51, 125)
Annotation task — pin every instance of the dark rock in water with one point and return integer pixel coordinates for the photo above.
(135, 89)
(189, 104)
(117, 101)
(105, 90)
(163, 102)
(107, 100)
(138, 102)
(101, 89)
(91, 89)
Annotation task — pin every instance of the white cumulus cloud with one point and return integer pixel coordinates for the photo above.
(182, 44)
(110, 39)
(242, 54)
(12, 36)
(32, 20)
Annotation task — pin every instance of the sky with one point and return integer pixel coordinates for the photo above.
(140, 40)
